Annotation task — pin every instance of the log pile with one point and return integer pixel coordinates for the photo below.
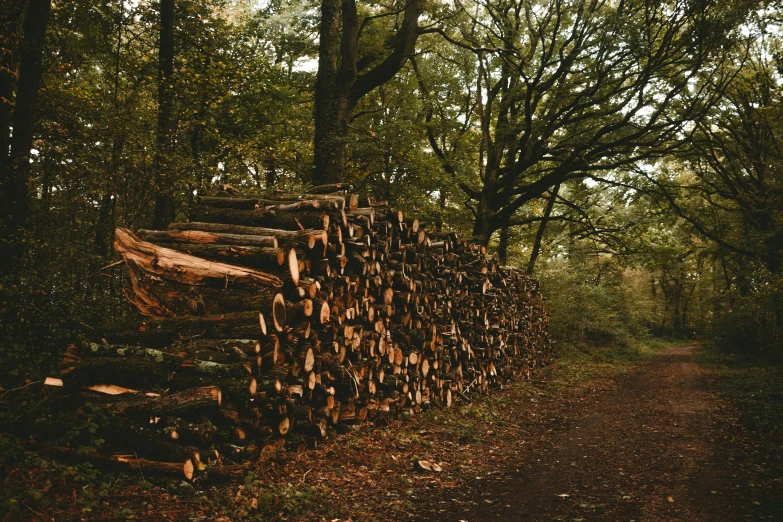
(274, 322)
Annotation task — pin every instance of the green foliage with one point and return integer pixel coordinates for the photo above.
(85, 434)
(40, 481)
(596, 302)
(750, 322)
(59, 293)
(282, 501)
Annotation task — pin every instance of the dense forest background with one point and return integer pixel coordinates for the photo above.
(627, 153)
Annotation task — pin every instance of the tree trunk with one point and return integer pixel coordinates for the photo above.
(162, 162)
(339, 84)
(16, 171)
(105, 225)
(329, 143)
(541, 228)
(441, 211)
(503, 246)
(270, 170)
(10, 23)
(484, 226)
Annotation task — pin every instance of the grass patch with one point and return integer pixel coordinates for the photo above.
(582, 362)
(753, 383)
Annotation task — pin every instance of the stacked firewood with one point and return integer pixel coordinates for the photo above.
(276, 321)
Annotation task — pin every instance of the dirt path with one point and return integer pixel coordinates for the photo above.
(651, 447)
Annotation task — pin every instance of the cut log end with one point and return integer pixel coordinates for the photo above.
(189, 470)
(262, 324)
(324, 312)
(53, 381)
(309, 361)
(278, 312)
(284, 426)
(293, 266)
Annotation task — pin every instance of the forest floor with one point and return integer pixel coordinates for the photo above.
(638, 433)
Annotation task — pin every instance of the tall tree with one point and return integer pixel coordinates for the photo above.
(15, 173)
(10, 26)
(347, 71)
(737, 156)
(163, 160)
(574, 88)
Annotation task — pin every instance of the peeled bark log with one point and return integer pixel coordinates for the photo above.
(275, 261)
(285, 238)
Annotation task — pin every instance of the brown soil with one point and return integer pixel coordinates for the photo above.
(654, 445)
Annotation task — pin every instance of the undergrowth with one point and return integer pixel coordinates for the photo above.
(754, 383)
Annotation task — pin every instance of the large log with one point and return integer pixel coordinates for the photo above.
(328, 188)
(205, 238)
(180, 404)
(184, 268)
(163, 332)
(261, 218)
(277, 261)
(125, 462)
(157, 297)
